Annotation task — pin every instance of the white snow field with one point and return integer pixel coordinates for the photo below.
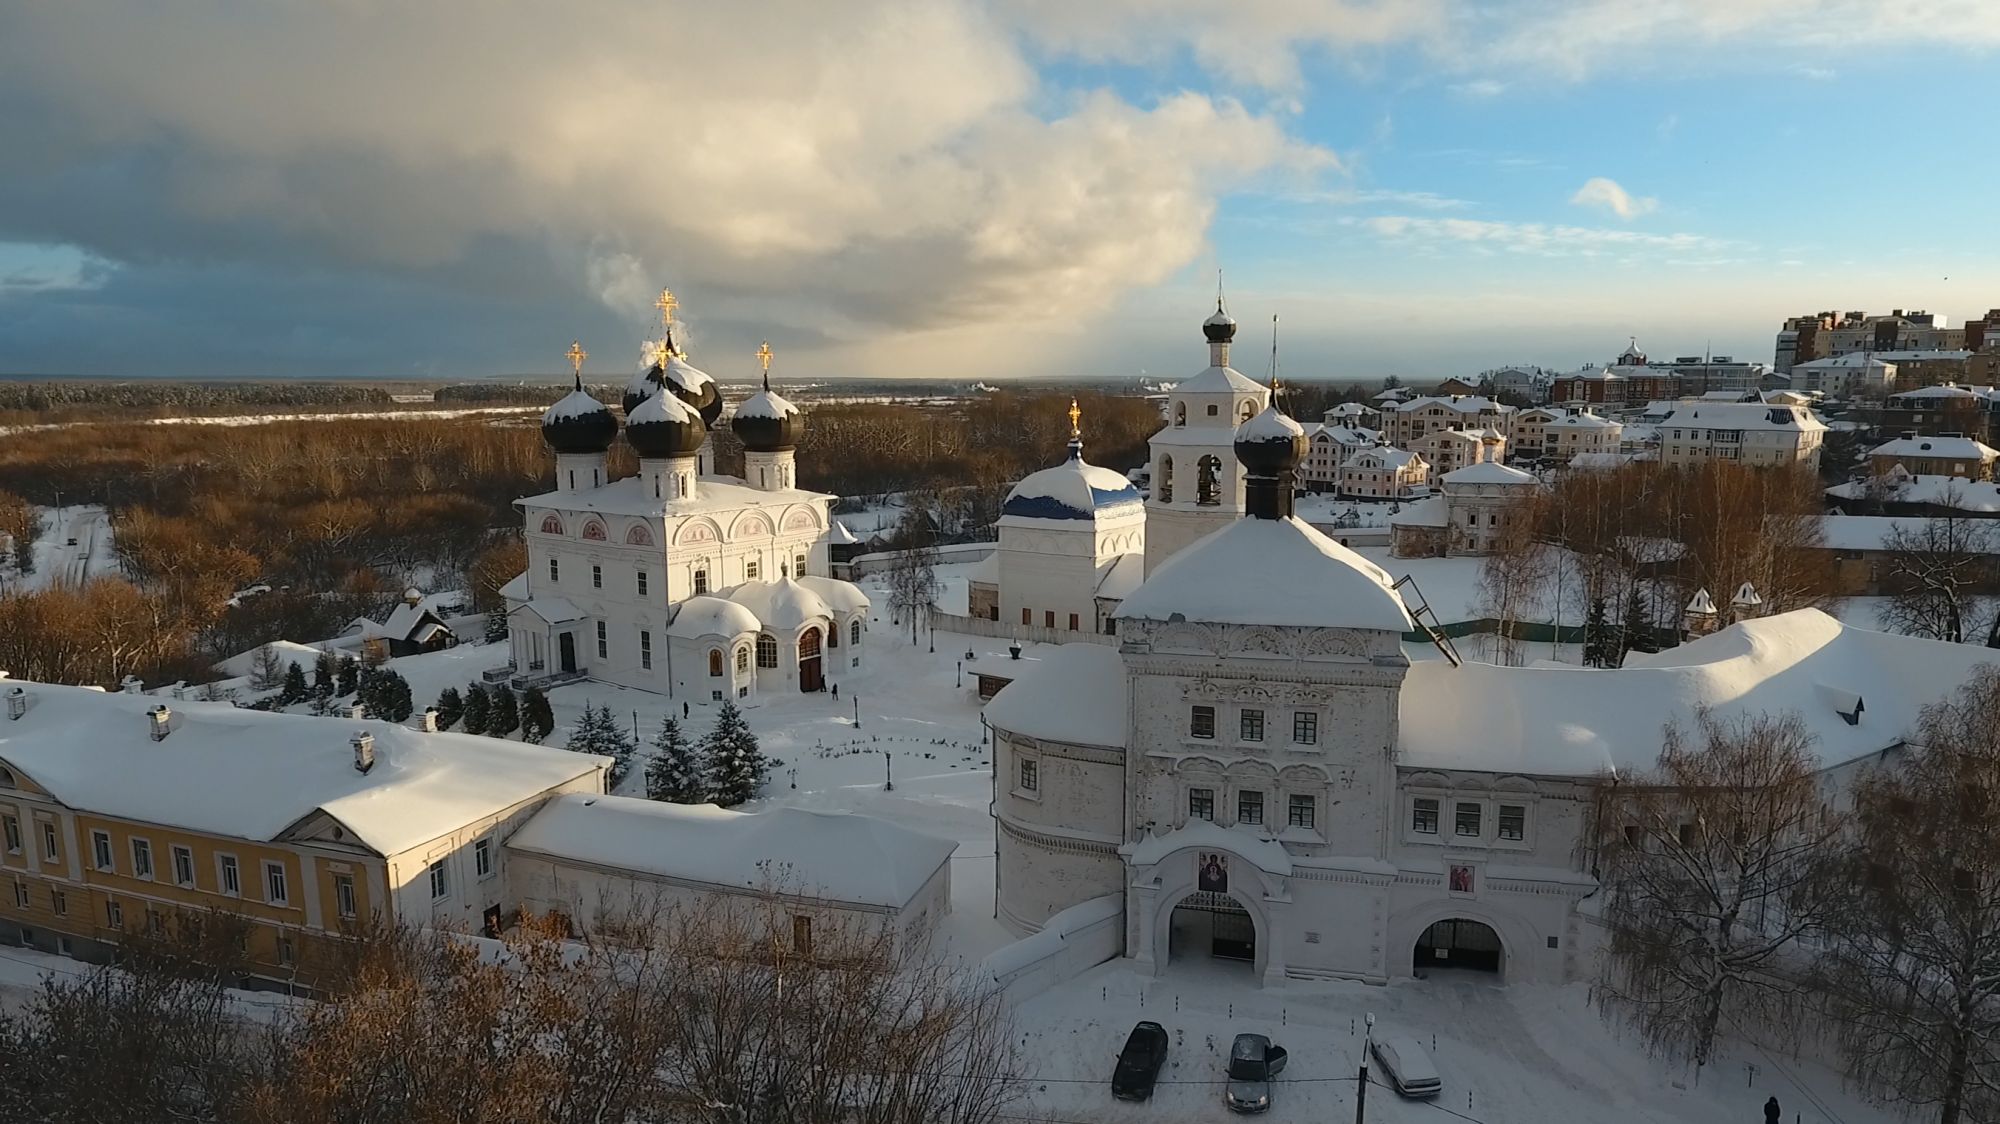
(58, 565)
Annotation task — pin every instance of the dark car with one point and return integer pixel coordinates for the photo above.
(1253, 1062)
(1139, 1062)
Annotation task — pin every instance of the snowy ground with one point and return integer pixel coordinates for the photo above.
(57, 563)
(1322, 508)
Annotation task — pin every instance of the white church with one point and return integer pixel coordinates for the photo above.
(680, 580)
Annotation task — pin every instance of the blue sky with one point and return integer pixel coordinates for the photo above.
(1020, 187)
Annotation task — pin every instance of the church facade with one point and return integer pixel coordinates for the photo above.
(680, 580)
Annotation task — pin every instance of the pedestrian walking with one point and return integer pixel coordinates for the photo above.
(1772, 1112)
(684, 710)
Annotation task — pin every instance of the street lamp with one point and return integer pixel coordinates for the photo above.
(1361, 1089)
(857, 712)
(961, 673)
(888, 779)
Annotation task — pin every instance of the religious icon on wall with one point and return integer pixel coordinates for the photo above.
(1212, 872)
(1461, 879)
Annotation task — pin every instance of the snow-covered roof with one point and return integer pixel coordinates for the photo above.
(253, 774)
(1074, 489)
(1073, 693)
(782, 604)
(1388, 456)
(660, 406)
(704, 615)
(1270, 571)
(839, 535)
(1564, 721)
(1461, 403)
(844, 596)
(575, 404)
(1353, 435)
(1487, 472)
(631, 496)
(243, 663)
(1220, 380)
(1955, 491)
(985, 570)
(1350, 410)
(1959, 448)
(1270, 424)
(765, 404)
(1948, 390)
(554, 610)
(1118, 577)
(1944, 355)
(516, 588)
(685, 375)
(1604, 460)
(1267, 853)
(1701, 603)
(1582, 421)
(1742, 415)
(838, 856)
(1868, 532)
(1427, 512)
(1852, 361)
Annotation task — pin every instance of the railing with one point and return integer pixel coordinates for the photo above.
(1026, 633)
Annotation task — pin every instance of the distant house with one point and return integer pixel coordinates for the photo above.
(1383, 472)
(1897, 492)
(1864, 564)
(1455, 387)
(1942, 455)
(412, 628)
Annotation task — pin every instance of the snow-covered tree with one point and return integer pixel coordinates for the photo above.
(736, 766)
(1637, 633)
(451, 708)
(506, 716)
(391, 696)
(294, 688)
(325, 670)
(478, 708)
(537, 720)
(598, 731)
(496, 627)
(676, 774)
(349, 679)
(267, 671)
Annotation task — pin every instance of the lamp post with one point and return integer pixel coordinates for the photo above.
(961, 673)
(888, 778)
(857, 712)
(1361, 1089)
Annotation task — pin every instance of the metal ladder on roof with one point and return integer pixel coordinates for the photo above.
(1425, 619)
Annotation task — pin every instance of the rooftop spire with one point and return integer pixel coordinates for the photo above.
(1218, 291)
(1274, 359)
(764, 356)
(576, 355)
(1075, 431)
(667, 303)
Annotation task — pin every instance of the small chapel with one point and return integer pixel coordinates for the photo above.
(680, 580)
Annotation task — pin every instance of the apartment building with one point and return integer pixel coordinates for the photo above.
(1405, 423)
(1857, 374)
(1330, 446)
(1940, 455)
(1383, 472)
(1802, 339)
(1757, 433)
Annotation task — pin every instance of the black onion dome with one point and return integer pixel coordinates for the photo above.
(1219, 328)
(694, 387)
(1270, 444)
(579, 423)
(642, 387)
(663, 426)
(766, 423)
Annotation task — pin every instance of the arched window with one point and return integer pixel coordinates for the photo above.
(1163, 480)
(1248, 411)
(593, 531)
(1180, 413)
(743, 658)
(7, 778)
(638, 536)
(715, 661)
(767, 650)
(833, 634)
(1207, 482)
(854, 631)
(551, 525)
(809, 644)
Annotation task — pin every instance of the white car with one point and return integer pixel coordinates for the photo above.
(1408, 1067)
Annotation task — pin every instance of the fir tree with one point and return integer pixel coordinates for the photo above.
(348, 681)
(1596, 645)
(736, 766)
(387, 695)
(496, 627)
(325, 669)
(266, 674)
(506, 716)
(598, 731)
(1636, 633)
(537, 720)
(451, 708)
(478, 706)
(676, 774)
(294, 690)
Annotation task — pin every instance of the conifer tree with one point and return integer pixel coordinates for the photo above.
(676, 774)
(598, 731)
(265, 672)
(505, 716)
(324, 671)
(1596, 647)
(478, 708)
(537, 720)
(294, 689)
(496, 627)
(736, 766)
(1635, 634)
(386, 694)
(349, 679)
(451, 708)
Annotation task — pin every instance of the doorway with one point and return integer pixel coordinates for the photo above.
(1457, 942)
(568, 645)
(812, 676)
(1212, 925)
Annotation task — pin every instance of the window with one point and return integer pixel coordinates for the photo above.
(1424, 815)
(100, 850)
(646, 649)
(21, 894)
(1180, 413)
(1513, 821)
(155, 923)
(854, 630)
(50, 848)
(1305, 727)
(641, 575)
(715, 661)
(833, 635)
(183, 866)
(232, 879)
(142, 859)
(551, 525)
(1072, 622)
(597, 577)
(750, 569)
(274, 884)
(1201, 803)
(114, 914)
(743, 659)
(1201, 722)
(767, 650)
(1048, 618)
(798, 565)
(1250, 807)
(1301, 812)
(285, 955)
(555, 570)
(440, 880)
(1252, 725)
(701, 581)
(1029, 779)
(343, 895)
(1027, 615)
(1686, 835)
(482, 857)
(1466, 820)
(802, 935)
(1211, 410)
(13, 827)
(59, 902)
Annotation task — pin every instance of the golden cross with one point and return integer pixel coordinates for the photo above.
(662, 351)
(576, 355)
(1075, 415)
(666, 304)
(764, 355)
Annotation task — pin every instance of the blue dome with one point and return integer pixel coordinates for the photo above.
(1073, 489)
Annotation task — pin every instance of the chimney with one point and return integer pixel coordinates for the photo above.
(430, 720)
(132, 685)
(364, 751)
(17, 704)
(356, 710)
(159, 722)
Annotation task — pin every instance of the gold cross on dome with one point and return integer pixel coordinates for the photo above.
(666, 304)
(576, 355)
(662, 351)
(764, 354)
(1075, 416)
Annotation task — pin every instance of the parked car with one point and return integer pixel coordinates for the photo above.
(1253, 1062)
(1139, 1062)
(1407, 1066)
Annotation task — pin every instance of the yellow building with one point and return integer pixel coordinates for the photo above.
(120, 812)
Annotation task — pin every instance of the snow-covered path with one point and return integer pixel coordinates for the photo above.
(60, 565)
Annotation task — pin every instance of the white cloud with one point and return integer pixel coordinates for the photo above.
(1351, 197)
(1539, 239)
(1480, 88)
(1597, 191)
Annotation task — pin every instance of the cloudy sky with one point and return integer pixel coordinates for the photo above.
(960, 189)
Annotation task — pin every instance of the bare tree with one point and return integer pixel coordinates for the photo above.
(1513, 579)
(1714, 864)
(913, 583)
(1940, 573)
(1915, 975)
